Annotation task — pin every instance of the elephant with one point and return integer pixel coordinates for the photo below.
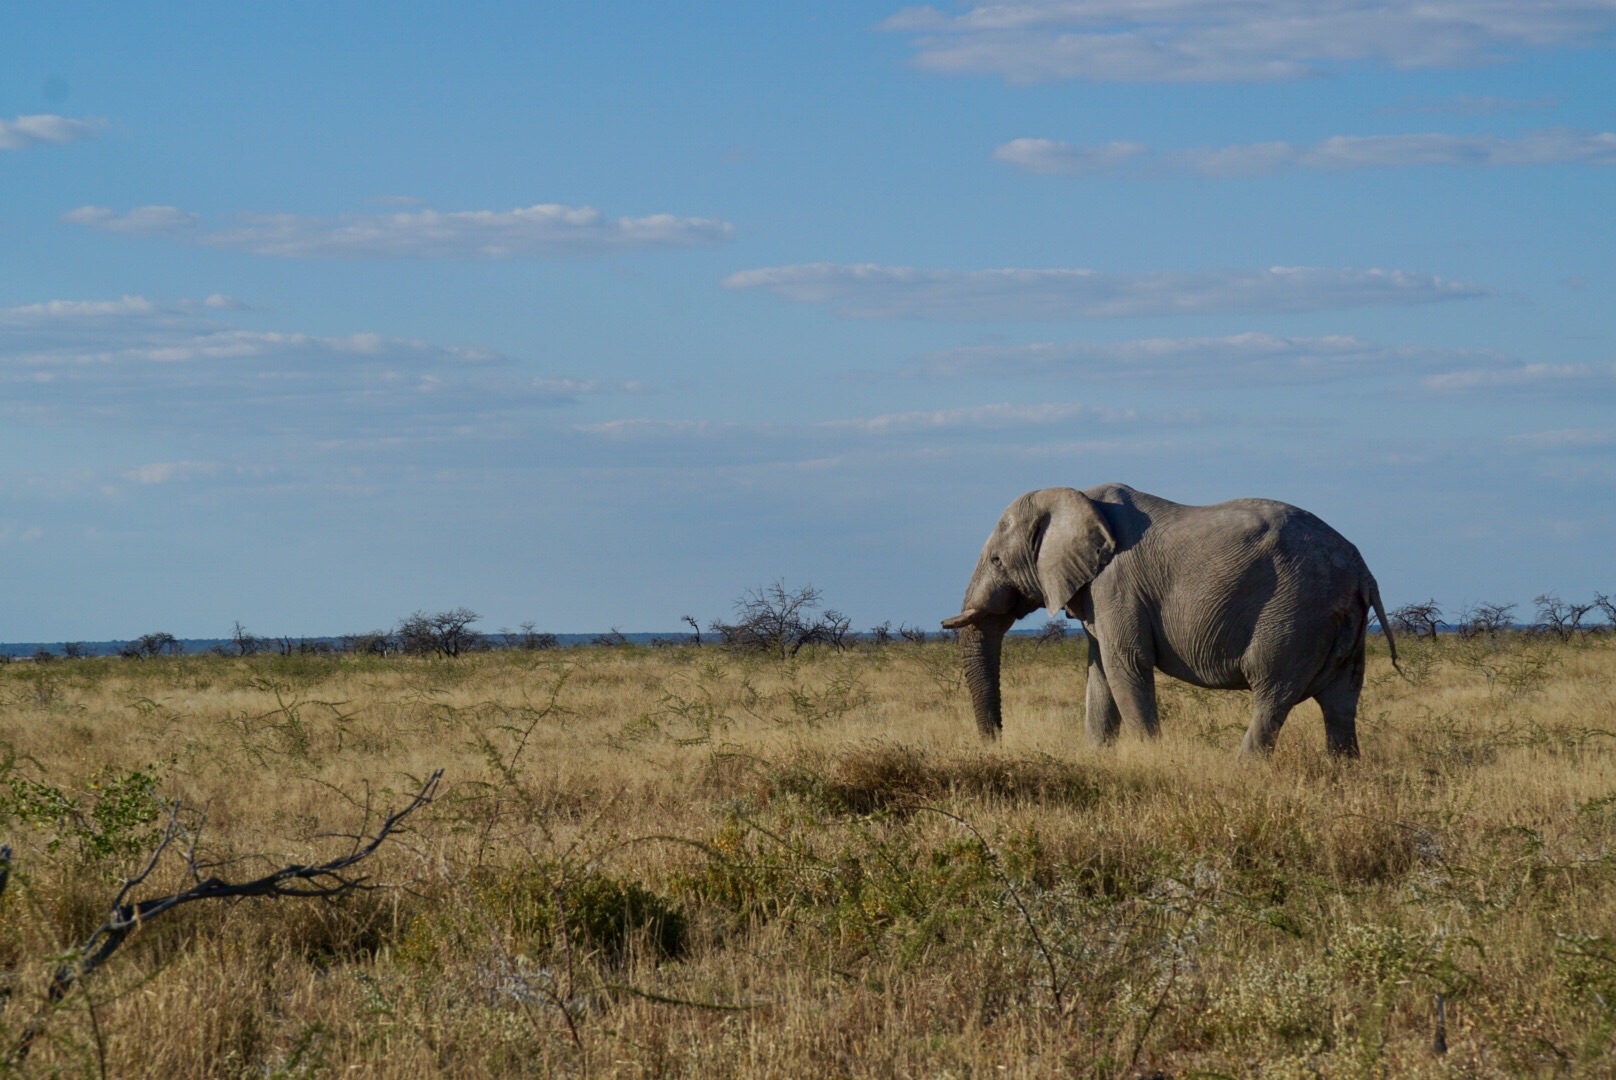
(1249, 594)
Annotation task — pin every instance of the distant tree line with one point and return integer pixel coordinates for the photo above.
(421, 633)
(780, 621)
(1552, 617)
(774, 620)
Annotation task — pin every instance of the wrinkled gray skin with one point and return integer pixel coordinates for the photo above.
(1244, 595)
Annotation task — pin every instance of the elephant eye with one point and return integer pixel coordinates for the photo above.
(998, 562)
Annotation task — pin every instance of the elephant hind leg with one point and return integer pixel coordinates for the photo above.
(1339, 703)
(1268, 714)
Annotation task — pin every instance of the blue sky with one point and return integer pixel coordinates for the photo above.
(315, 315)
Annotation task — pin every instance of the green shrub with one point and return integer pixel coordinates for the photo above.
(111, 819)
(549, 906)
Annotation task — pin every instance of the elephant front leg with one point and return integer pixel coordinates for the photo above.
(1101, 717)
(1130, 683)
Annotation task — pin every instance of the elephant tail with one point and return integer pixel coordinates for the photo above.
(1371, 594)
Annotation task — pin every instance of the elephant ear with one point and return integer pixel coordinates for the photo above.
(1075, 545)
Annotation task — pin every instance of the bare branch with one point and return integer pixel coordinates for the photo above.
(1010, 889)
(915, 635)
(325, 879)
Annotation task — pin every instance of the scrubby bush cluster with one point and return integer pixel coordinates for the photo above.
(160, 643)
(779, 621)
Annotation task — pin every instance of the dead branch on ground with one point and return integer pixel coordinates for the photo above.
(325, 880)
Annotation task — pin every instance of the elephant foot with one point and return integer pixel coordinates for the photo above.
(1266, 720)
(1347, 751)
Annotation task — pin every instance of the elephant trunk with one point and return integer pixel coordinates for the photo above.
(980, 646)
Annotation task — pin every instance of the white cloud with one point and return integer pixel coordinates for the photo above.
(12, 534)
(579, 387)
(26, 131)
(922, 432)
(916, 435)
(653, 429)
(1518, 376)
(976, 417)
(141, 221)
(936, 444)
(1567, 438)
(76, 310)
(1251, 357)
(1255, 159)
(1337, 153)
(1063, 159)
(1239, 41)
(136, 362)
(1256, 358)
(546, 229)
(166, 471)
(1399, 151)
(871, 291)
(1473, 105)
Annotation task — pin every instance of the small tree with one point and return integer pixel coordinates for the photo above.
(526, 637)
(881, 632)
(446, 633)
(695, 629)
(1484, 620)
(1420, 620)
(1558, 617)
(1054, 632)
(149, 645)
(415, 635)
(612, 639)
(74, 650)
(779, 620)
(915, 635)
(829, 629)
(43, 656)
(370, 643)
(245, 644)
(1607, 607)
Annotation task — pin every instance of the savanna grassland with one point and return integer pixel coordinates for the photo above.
(681, 862)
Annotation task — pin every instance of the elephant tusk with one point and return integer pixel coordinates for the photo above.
(968, 617)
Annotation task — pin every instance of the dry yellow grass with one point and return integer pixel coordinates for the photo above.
(679, 862)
